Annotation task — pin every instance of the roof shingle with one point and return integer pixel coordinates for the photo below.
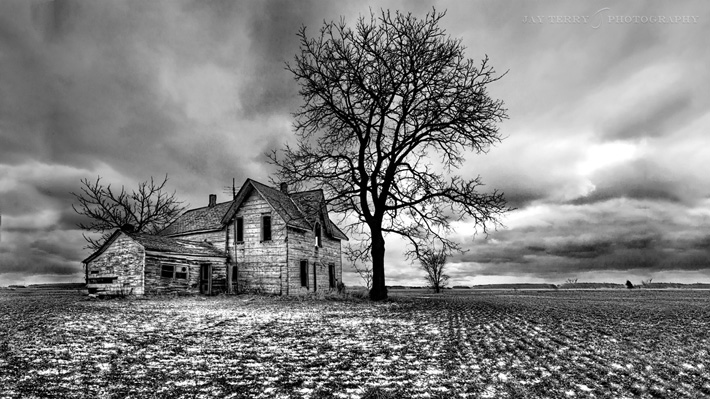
(300, 210)
(162, 244)
(176, 246)
(199, 219)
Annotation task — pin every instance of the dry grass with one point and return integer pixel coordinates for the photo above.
(486, 344)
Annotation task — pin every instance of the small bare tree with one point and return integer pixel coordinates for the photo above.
(365, 272)
(148, 209)
(433, 263)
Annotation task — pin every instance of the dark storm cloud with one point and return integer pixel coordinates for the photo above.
(273, 26)
(642, 179)
(77, 90)
(662, 115)
(612, 236)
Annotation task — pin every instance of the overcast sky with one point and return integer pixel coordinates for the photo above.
(606, 156)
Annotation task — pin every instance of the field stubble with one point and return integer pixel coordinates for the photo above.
(523, 344)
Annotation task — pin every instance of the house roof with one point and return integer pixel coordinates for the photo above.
(176, 246)
(198, 220)
(162, 244)
(312, 203)
(299, 210)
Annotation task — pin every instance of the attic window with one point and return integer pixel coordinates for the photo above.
(265, 227)
(319, 242)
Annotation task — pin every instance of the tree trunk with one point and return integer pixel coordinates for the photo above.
(378, 291)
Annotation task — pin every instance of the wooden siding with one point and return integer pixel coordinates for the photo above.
(271, 266)
(122, 264)
(301, 246)
(157, 284)
(259, 263)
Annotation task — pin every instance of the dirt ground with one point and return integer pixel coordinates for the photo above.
(489, 344)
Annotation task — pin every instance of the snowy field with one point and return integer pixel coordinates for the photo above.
(495, 344)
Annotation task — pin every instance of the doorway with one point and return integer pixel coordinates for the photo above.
(206, 279)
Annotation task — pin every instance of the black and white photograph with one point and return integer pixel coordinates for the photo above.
(367, 200)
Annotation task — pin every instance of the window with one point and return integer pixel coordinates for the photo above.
(304, 273)
(240, 229)
(265, 227)
(318, 235)
(172, 271)
(181, 272)
(167, 271)
(331, 275)
(103, 280)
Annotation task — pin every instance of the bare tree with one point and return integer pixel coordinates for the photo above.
(365, 272)
(148, 209)
(382, 103)
(433, 263)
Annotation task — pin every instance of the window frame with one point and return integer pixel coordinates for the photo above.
(239, 230)
(264, 237)
(318, 232)
(176, 271)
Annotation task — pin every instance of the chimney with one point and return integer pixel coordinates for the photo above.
(284, 188)
(213, 200)
(128, 228)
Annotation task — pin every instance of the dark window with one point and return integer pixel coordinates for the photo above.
(331, 275)
(167, 271)
(172, 271)
(318, 236)
(304, 273)
(102, 280)
(265, 228)
(240, 229)
(181, 272)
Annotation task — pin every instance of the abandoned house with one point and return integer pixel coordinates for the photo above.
(264, 240)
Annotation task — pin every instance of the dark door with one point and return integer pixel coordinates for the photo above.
(331, 275)
(315, 286)
(206, 279)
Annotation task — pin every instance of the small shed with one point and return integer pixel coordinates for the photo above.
(137, 264)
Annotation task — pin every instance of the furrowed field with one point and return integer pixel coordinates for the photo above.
(524, 344)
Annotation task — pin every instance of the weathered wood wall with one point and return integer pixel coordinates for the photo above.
(122, 264)
(301, 246)
(272, 266)
(259, 263)
(156, 284)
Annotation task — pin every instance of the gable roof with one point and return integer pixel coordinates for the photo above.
(336, 232)
(207, 218)
(283, 205)
(299, 210)
(162, 244)
(312, 203)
